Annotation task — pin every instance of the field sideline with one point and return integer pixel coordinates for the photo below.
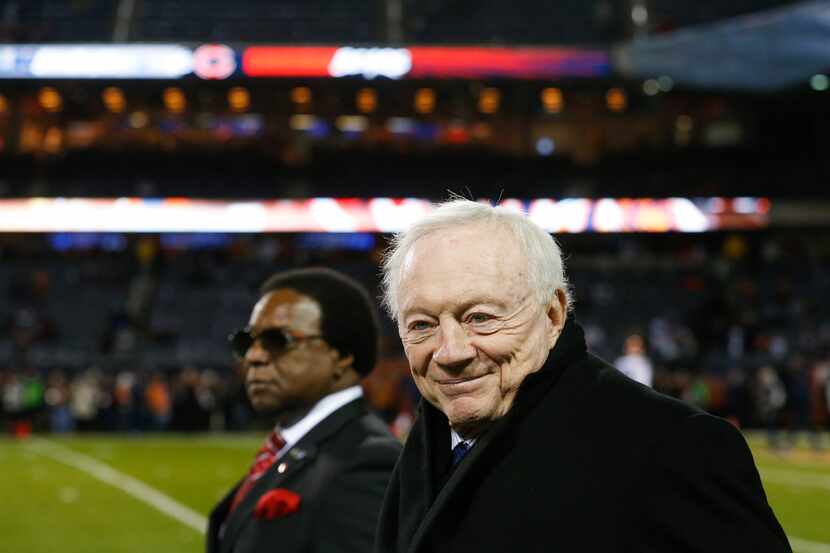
(152, 493)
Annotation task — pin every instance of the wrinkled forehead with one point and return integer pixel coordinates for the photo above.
(485, 240)
(287, 308)
(464, 263)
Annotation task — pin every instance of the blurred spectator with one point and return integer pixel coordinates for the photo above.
(84, 400)
(634, 363)
(57, 399)
(14, 403)
(771, 396)
(159, 404)
(125, 401)
(191, 408)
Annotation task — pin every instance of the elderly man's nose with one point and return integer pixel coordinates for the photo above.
(455, 347)
(256, 353)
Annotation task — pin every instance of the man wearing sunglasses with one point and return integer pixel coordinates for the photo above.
(317, 482)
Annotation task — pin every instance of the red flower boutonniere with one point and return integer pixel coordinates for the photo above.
(277, 503)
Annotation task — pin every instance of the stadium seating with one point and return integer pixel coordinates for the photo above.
(313, 21)
(34, 21)
(522, 22)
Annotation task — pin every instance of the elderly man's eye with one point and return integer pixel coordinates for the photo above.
(478, 318)
(419, 325)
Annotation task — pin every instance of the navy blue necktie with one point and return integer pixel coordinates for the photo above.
(459, 451)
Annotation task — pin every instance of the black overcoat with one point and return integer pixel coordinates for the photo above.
(340, 469)
(586, 460)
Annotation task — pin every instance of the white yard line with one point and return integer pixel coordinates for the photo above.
(136, 488)
(806, 546)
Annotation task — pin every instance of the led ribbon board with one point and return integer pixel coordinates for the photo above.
(219, 61)
(368, 215)
(95, 61)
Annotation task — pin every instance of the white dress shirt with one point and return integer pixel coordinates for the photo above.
(322, 409)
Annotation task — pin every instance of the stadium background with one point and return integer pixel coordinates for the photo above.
(678, 150)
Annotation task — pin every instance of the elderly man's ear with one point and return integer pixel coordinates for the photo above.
(557, 313)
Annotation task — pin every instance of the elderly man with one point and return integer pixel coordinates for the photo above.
(526, 442)
(317, 483)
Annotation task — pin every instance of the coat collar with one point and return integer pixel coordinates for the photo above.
(431, 437)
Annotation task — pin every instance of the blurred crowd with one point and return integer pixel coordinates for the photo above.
(128, 333)
(127, 401)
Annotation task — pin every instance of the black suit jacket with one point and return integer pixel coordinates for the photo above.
(585, 460)
(340, 469)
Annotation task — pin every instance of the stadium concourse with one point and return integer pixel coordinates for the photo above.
(125, 332)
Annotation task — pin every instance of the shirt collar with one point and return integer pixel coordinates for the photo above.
(322, 409)
(455, 439)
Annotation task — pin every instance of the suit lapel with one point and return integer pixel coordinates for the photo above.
(216, 521)
(289, 466)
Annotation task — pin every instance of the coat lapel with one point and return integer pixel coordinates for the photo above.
(288, 467)
(450, 488)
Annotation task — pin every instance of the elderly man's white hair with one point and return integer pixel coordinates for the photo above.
(546, 270)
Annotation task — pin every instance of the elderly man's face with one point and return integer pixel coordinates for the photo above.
(298, 375)
(471, 328)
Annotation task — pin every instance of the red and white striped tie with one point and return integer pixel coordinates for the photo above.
(265, 457)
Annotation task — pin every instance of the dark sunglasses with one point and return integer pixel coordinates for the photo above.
(275, 340)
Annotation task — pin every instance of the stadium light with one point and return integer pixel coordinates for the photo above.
(489, 100)
(665, 83)
(113, 98)
(352, 123)
(50, 99)
(367, 100)
(301, 95)
(174, 100)
(819, 82)
(302, 122)
(552, 100)
(616, 99)
(651, 87)
(683, 126)
(53, 141)
(138, 119)
(239, 99)
(424, 100)
(545, 146)
(400, 125)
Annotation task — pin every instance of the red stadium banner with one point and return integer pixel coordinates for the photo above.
(287, 61)
(418, 62)
(474, 62)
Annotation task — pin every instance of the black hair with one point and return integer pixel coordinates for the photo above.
(349, 322)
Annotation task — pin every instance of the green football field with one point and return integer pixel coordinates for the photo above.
(152, 493)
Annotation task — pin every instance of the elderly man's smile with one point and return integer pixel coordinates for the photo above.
(460, 386)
